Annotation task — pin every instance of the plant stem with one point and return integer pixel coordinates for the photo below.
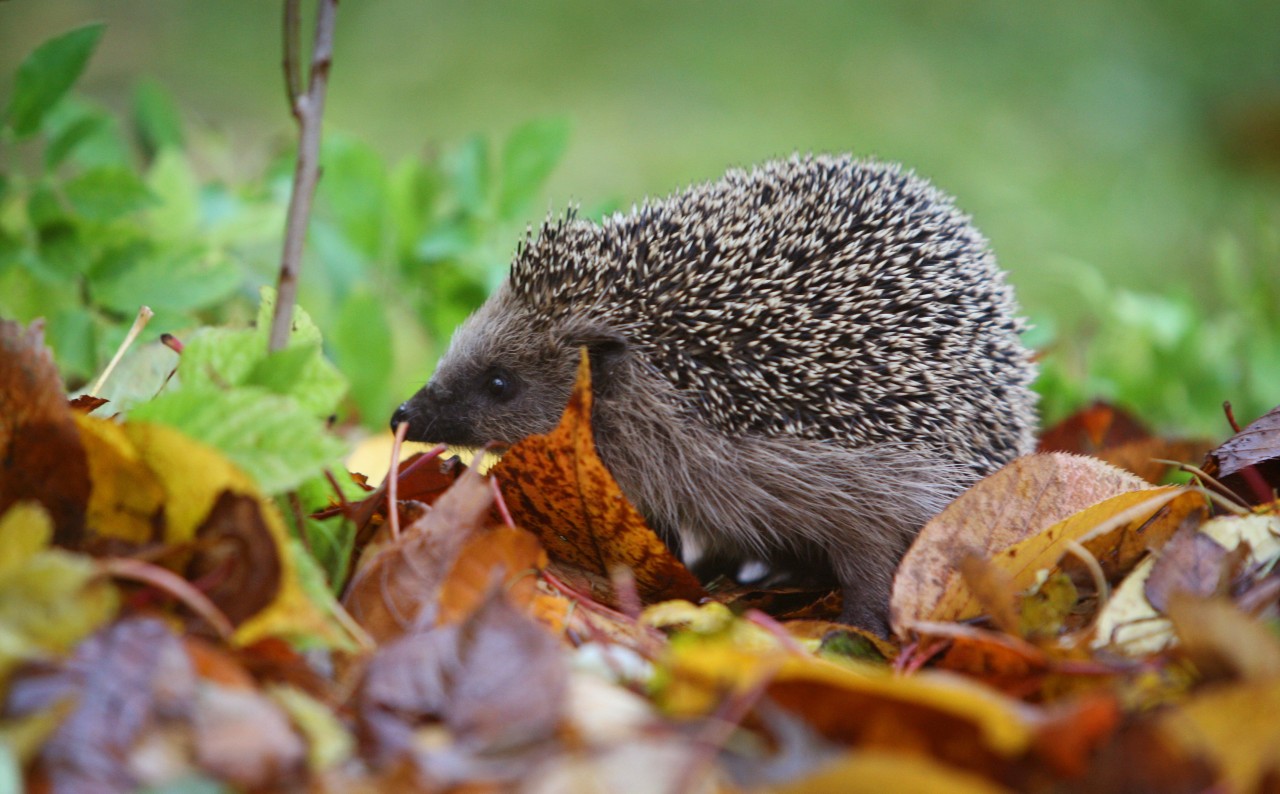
(308, 109)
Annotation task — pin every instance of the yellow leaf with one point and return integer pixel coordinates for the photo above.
(1024, 560)
(872, 772)
(194, 477)
(1236, 726)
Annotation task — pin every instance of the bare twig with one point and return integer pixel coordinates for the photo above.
(144, 316)
(308, 109)
(292, 52)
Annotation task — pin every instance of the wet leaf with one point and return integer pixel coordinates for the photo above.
(1249, 462)
(557, 488)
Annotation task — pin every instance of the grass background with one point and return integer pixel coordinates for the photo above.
(1124, 158)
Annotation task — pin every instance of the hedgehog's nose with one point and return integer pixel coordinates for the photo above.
(401, 415)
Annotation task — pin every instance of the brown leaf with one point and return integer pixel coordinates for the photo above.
(1015, 503)
(1249, 462)
(1192, 563)
(495, 683)
(557, 488)
(503, 555)
(1111, 434)
(1223, 641)
(1093, 429)
(396, 579)
(125, 681)
(243, 738)
(87, 403)
(236, 560)
(41, 457)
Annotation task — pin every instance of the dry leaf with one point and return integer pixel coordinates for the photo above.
(1236, 727)
(510, 557)
(1249, 462)
(396, 579)
(1015, 503)
(1223, 641)
(41, 457)
(557, 488)
(1111, 434)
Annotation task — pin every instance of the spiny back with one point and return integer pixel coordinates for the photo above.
(825, 298)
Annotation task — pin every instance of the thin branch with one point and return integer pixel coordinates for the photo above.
(292, 53)
(308, 108)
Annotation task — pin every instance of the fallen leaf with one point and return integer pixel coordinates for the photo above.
(1020, 517)
(397, 578)
(557, 488)
(1190, 563)
(1222, 641)
(1114, 435)
(496, 682)
(41, 457)
(503, 555)
(50, 598)
(1236, 727)
(872, 771)
(1249, 462)
(128, 680)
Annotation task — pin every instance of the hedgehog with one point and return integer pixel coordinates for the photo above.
(793, 367)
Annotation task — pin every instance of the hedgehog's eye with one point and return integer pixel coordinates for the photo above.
(499, 384)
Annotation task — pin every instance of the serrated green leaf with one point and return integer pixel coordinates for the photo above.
(362, 343)
(168, 280)
(106, 193)
(157, 120)
(272, 438)
(47, 74)
(302, 373)
(528, 157)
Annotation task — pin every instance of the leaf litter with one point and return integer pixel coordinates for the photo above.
(537, 636)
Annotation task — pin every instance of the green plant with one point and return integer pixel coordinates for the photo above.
(100, 215)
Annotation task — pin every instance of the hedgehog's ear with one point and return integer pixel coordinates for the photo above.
(603, 346)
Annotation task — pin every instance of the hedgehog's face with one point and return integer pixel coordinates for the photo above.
(501, 379)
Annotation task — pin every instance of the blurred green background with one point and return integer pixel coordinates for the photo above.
(1123, 158)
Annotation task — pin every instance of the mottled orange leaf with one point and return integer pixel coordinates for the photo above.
(557, 488)
(1015, 503)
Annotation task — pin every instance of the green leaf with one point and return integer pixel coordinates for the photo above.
(272, 438)
(226, 358)
(103, 194)
(363, 346)
(47, 74)
(528, 157)
(471, 175)
(156, 117)
(168, 280)
(176, 214)
(70, 137)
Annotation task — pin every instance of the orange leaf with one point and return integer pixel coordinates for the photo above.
(557, 488)
(512, 554)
